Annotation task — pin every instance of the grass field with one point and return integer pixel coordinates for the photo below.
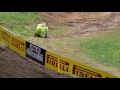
(103, 48)
(19, 22)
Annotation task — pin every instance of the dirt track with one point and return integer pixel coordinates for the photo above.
(14, 66)
(82, 27)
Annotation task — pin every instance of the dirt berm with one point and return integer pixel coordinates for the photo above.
(12, 65)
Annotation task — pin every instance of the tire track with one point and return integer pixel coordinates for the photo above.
(89, 27)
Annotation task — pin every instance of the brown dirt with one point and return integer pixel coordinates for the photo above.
(13, 65)
(83, 25)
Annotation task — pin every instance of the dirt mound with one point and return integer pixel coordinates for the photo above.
(84, 23)
(73, 17)
(13, 65)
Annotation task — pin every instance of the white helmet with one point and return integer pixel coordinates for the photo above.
(42, 24)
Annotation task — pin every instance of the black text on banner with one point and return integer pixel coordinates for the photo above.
(35, 52)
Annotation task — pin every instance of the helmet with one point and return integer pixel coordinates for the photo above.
(42, 24)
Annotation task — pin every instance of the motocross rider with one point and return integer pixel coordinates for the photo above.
(42, 30)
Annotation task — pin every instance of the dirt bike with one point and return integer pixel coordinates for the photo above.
(39, 35)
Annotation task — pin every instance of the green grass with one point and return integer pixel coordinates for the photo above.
(60, 30)
(25, 23)
(104, 48)
(19, 22)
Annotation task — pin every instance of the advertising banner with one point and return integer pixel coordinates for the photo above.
(85, 71)
(18, 44)
(76, 69)
(51, 60)
(58, 63)
(35, 52)
(5, 36)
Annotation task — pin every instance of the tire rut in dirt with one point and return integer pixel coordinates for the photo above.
(105, 23)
